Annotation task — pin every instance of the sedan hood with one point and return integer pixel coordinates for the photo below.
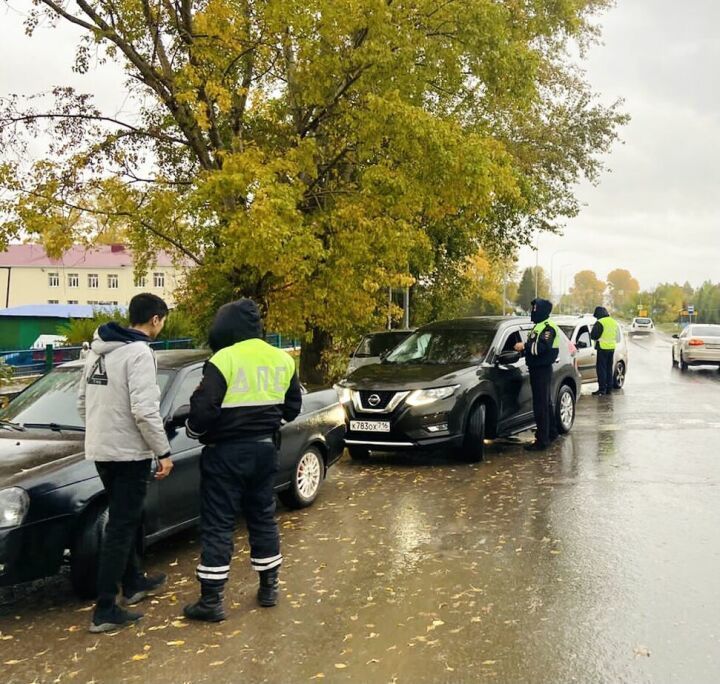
(27, 456)
(391, 376)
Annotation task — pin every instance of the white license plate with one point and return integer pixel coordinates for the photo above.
(370, 425)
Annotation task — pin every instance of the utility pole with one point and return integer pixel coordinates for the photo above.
(406, 308)
(389, 322)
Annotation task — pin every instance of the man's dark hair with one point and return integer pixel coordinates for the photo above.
(144, 306)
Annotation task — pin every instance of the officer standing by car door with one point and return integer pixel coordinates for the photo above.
(248, 389)
(604, 333)
(541, 351)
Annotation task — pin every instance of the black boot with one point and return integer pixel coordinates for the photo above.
(209, 608)
(269, 588)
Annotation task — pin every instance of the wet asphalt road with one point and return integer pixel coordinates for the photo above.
(598, 561)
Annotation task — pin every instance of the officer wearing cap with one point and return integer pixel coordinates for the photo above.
(541, 351)
(249, 388)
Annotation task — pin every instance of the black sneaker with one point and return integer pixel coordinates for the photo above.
(146, 586)
(111, 619)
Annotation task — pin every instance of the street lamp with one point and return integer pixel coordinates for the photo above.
(552, 261)
(562, 283)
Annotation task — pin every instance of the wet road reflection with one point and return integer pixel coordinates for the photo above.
(598, 561)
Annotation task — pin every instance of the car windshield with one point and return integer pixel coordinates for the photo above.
(443, 346)
(705, 330)
(53, 399)
(568, 330)
(377, 343)
(643, 321)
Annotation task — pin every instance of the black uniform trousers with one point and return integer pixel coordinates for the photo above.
(543, 409)
(237, 476)
(125, 484)
(604, 366)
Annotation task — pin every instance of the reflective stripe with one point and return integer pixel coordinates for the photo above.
(539, 329)
(266, 560)
(269, 566)
(237, 404)
(219, 568)
(207, 576)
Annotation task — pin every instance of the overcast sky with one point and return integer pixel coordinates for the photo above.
(656, 213)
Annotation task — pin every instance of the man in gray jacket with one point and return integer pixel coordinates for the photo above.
(119, 399)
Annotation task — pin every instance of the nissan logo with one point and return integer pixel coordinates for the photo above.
(374, 400)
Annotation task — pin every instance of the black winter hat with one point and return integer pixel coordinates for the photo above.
(541, 309)
(235, 322)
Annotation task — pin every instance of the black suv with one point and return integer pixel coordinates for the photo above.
(452, 383)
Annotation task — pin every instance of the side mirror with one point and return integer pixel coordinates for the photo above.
(581, 345)
(178, 418)
(676, 336)
(508, 358)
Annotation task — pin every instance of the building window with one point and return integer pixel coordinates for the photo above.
(73, 280)
(54, 279)
(140, 281)
(93, 280)
(93, 302)
(53, 301)
(113, 281)
(72, 301)
(159, 280)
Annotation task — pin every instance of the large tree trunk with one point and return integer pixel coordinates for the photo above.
(313, 365)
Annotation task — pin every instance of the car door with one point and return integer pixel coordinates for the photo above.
(179, 494)
(586, 353)
(512, 382)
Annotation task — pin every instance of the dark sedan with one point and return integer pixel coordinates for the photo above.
(52, 501)
(452, 384)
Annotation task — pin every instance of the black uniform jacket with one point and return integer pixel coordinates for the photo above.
(539, 349)
(211, 423)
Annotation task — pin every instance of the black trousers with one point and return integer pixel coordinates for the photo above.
(126, 484)
(604, 366)
(543, 409)
(237, 477)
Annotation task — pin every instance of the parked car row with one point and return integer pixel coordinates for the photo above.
(52, 500)
(451, 384)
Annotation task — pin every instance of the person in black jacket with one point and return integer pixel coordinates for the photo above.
(541, 352)
(248, 390)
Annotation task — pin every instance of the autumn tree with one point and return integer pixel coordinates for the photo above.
(526, 289)
(587, 292)
(622, 288)
(472, 287)
(310, 153)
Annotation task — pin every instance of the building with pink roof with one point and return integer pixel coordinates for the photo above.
(102, 275)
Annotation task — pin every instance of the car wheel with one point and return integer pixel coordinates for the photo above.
(473, 447)
(683, 365)
(619, 377)
(565, 410)
(358, 453)
(85, 552)
(307, 478)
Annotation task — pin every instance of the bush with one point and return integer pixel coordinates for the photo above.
(6, 372)
(178, 325)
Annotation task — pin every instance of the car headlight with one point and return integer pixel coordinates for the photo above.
(14, 504)
(344, 394)
(428, 396)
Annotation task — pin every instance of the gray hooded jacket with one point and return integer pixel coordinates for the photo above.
(119, 398)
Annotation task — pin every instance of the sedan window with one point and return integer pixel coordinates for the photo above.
(705, 331)
(583, 338)
(53, 399)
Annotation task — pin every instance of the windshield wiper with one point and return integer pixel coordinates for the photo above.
(11, 426)
(55, 427)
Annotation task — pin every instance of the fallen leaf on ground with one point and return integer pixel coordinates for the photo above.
(340, 666)
(175, 643)
(488, 662)
(139, 656)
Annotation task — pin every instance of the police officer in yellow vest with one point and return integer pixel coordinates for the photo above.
(541, 352)
(248, 389)
(605, 333)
